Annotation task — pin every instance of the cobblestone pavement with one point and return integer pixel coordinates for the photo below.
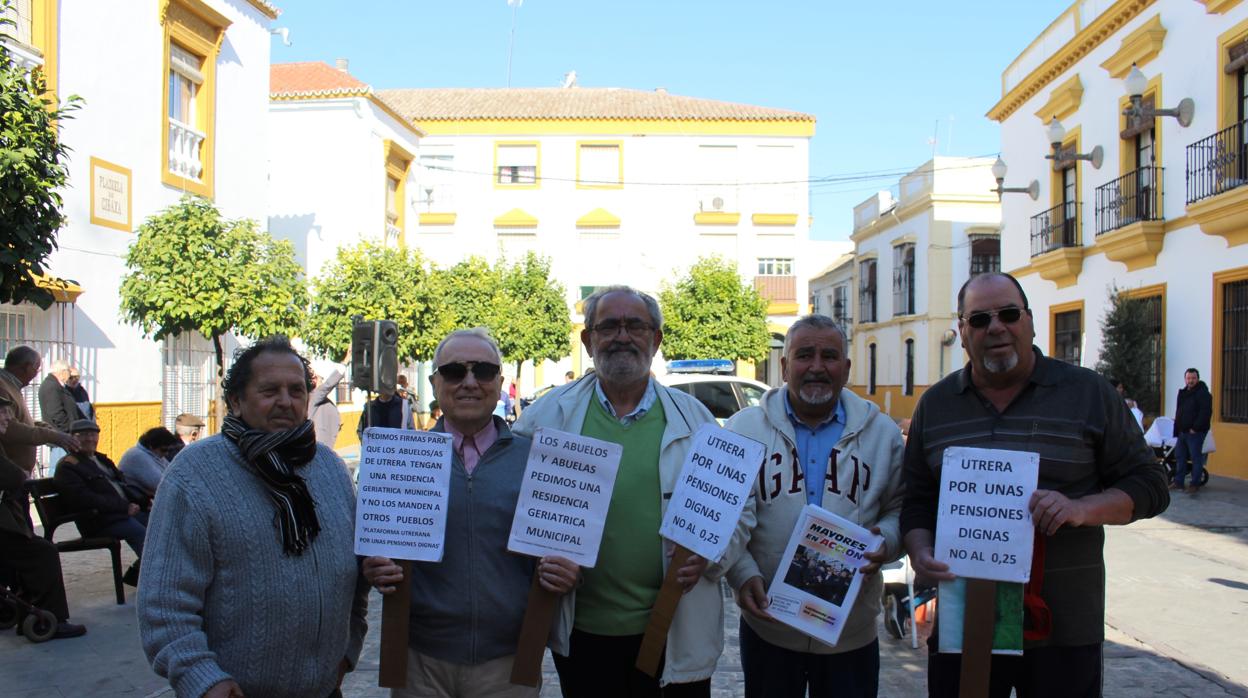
(1178, 603)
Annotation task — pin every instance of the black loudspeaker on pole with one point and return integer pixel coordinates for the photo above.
(374, 355)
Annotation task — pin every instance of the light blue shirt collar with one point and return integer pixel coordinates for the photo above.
(647, 402)
(838, 415)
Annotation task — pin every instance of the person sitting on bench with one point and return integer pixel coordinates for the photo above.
(88, 480)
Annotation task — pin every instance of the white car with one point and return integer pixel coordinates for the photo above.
(723, 395)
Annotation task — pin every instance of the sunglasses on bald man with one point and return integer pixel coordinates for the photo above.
(1008, 316)
(456, 371)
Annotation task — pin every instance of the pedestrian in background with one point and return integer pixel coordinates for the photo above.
(144, 463)
(1192, 413)
(188, 428)
(322, 409)
(81, 398)
(24, 435)
(57, 405)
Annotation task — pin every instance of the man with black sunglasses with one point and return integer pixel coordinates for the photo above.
(1095, 470)
(466, 610)
(600, 626)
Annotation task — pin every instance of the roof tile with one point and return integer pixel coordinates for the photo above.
(312, 78)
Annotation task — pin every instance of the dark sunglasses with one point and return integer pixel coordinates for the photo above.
(1008, 316)
(457, 371)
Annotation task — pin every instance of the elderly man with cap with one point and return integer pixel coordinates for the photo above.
(89, 480)
(35, 561)
(25, 435)
(251, 585)
(188, 428)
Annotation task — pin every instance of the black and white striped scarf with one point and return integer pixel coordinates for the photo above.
(275, 456)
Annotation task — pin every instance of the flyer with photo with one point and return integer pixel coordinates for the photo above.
(817, 580)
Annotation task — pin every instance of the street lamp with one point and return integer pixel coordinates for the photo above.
(998, 173)
(1056, 133)
(1135, 84)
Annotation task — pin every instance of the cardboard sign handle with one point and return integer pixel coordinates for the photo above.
(655, 640)
(977, 632)
(526, 668)
(395, 613)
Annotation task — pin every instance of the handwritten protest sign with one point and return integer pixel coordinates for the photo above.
(983, 524)
(565, 496)
(710, 494)
(400, 508)
(817, 580)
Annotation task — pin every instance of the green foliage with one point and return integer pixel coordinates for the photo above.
(472, 291)
(192, 269)
(1127, 352)
(711, 314)
(32, 170)
(532, 321)
(377, 283)
(520, 304)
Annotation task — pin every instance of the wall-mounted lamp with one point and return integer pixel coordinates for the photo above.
(1136, 83)
(1056, 134)
(283, 32)
(998, 173)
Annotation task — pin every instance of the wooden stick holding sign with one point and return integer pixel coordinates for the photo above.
(562, 509)
(396, 609)
(400, 513)
(701, 516)
(984, 532)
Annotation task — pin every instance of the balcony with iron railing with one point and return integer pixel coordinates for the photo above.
(1129, 218)
(1055, 228)
(1217, 170)
(1133, 197)
(185, 147)
(1056, 245)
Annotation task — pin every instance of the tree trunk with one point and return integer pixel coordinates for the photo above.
(217, 409)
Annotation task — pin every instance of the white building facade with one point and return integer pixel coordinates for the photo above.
(615, 186)
(1165, 216)
(914, 248)
(174, 98)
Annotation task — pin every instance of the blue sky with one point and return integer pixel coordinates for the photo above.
(878, 77)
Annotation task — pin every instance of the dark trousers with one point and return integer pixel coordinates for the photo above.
(37, 564)
(602, 666)
(776, 672)
(1042, 672)
(133, 530)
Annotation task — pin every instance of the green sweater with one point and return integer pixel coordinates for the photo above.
(620, 590)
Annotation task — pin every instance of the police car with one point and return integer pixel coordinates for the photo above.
(712, 382)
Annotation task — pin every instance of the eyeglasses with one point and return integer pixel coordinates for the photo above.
(610, 328)
(456, 371)
(983, 319)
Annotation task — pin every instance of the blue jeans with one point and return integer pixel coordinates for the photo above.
(132, 530)
(1189, 446)
(776, 672)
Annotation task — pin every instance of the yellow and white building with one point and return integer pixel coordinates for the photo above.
(1166, 214)
(175, 94)
(913, 249)
(616, 186)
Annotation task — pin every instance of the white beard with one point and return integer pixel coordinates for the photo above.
(1001, 365)
(817, 394)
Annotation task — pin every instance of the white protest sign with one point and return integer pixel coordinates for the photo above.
(400, 509)
(710, 494)
(983, 524)
(565, 496)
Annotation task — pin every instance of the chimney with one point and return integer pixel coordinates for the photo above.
(341, 64)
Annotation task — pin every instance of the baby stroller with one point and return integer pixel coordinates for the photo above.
(37, 624)
(1160, 436)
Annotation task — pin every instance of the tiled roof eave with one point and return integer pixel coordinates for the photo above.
(322, 94)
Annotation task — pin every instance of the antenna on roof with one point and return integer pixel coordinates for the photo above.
(569, 79)
(511, 44)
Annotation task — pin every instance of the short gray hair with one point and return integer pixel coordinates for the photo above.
(813, 321)
(652, 306)
(20, 356)
(478, 332)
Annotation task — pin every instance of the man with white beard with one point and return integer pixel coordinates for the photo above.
(1095, 470)
(829, 447)
(601, 623)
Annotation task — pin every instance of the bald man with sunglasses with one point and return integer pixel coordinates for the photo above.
(467, 609)
(1095, 470)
